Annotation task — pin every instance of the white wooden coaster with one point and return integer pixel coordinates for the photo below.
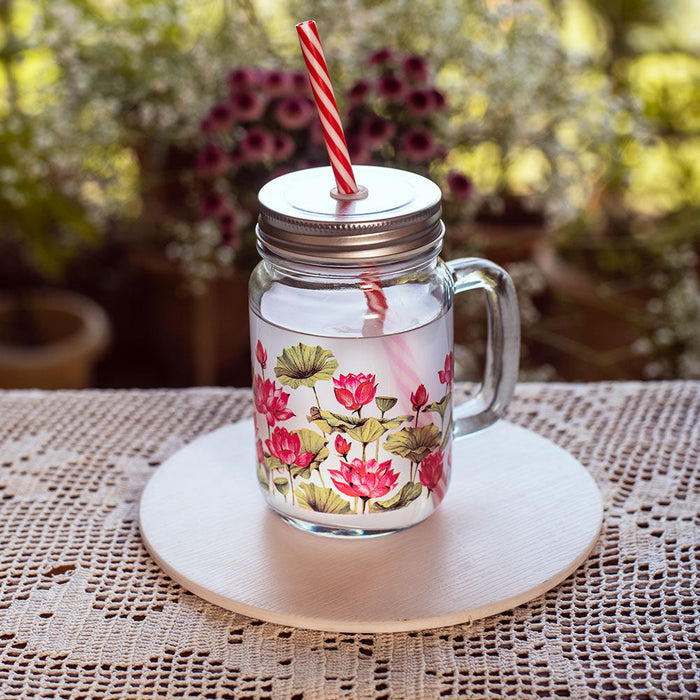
(520, 515)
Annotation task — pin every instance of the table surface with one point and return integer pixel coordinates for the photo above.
(86, 613)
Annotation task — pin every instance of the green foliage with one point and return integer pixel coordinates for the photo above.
(303, 365)
(321, 500)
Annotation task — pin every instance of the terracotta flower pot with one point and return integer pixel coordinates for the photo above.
(73, 330)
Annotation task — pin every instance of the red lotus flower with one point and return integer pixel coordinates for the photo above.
(271, 402)
(261, 354)
(342, 446)
(447, 374)
(286, 447)
(355, 390)
(364, 480)
(431, 469)
(261, 454)
(419, 397)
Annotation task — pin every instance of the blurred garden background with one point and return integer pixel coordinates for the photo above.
(134, 137)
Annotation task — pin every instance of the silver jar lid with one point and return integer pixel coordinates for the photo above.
(300, 220)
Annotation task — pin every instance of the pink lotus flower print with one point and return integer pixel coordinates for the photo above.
(419, 397)
(261, 355)
(364, 480)
(355, 390)
(286, 447)
(431, 470)
(446, 374)
(271, 401)
(342, 446)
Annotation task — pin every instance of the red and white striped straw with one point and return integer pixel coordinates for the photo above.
(327, 108)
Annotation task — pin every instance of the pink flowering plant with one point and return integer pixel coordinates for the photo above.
(264, 123)
(356, 456)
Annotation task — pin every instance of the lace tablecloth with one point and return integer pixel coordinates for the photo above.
(85, 612)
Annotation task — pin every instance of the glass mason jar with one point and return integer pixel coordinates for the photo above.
(352, 349)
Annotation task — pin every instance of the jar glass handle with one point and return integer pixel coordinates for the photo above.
(503, 342)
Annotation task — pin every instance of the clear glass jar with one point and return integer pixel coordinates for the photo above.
(352, 348)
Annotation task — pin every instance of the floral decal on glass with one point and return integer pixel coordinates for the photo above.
(356, 455)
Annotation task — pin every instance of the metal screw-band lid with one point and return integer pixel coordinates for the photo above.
(398, 219)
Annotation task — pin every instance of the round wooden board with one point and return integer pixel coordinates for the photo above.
(521, 515)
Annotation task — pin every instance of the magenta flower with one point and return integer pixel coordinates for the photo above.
(419, 398)
(447, 374)
(421, 102)
(358, 92)
(439, 99)
(377, 131)
(259, 449)
(220, 118)
(391, 88)
(381, 57)
(257, 144)
(242, 79)
(294, 113)
(284, 147)
(355, 390)
(415, 69)
(364, 480)
(300, 84)
(271, 401)
(212, 205)
(247, 106)
(212, 161)
(460, 185)
(418, 145)
(277, 83)
(261, 354)
(286, 447)
(431, 470)
(358, 149)
(342, 446)
(228, 225)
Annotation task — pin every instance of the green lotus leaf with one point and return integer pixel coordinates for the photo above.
(331, 422)
(414, 443)
(303, 365)
(314, 443)
(404, 497)
(385, 403)
(320, 499)
(273, 463)
(448, 434)
(262, 477)
(440, 406)
(391, 423)
(368, 430)
(281, 484)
